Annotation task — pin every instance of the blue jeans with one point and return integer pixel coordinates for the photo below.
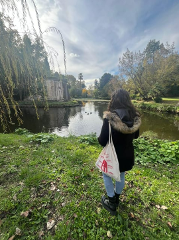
(110, 187)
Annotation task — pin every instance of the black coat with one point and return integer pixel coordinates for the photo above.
(123, 133)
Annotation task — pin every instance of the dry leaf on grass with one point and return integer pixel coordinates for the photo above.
(164, 207)
(131, 215)
(40, 234)
(53, 187)
(98, 210)
(15, 197)
(11, 238)
(109, 234)
(61, 218)
(97, 224)
(18, 231)
(50, 224)
(169, 224)
(161, 207)
(25, 214)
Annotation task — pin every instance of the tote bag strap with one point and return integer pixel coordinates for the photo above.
(110, 134)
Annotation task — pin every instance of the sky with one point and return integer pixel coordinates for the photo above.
(96, 33)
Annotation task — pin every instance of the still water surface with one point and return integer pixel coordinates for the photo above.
(86, 119)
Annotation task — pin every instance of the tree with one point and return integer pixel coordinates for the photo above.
(131, 66)
(114, 84)
(90, 90)
(152, 71)
(71, 80)
(104, 80)
(96, 84)
(84, 92)
(152, 47)
(80, 77)
(21, 74)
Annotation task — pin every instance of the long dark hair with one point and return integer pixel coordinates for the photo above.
(120, 99)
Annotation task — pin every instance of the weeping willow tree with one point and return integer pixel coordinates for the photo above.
(24, 61)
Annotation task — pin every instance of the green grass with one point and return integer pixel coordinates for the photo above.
(54, 179)
(50, 103)
(91, 99)
(158, 107)
(171, 99)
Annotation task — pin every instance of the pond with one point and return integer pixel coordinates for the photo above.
(86, 119)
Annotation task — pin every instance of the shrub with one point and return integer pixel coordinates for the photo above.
(21, 131)
(41, 138)
(158, 99)
(149, 135)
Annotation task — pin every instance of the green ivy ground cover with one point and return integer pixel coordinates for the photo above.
(50, 189)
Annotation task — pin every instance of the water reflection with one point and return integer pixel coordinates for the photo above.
(164, 126)
(86, 119)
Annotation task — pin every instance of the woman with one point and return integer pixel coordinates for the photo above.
(125, 122)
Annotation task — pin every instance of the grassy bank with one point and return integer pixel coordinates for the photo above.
(159, 107)
(91, 99)
(41, 104)
(171, 100)
(50, 189)
(168, 105)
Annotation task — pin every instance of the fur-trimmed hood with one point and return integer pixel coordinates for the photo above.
(120, 126)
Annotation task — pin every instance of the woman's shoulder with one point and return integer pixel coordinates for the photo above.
(107, 115)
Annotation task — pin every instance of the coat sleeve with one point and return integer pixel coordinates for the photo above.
(104, 135)
(136, 134)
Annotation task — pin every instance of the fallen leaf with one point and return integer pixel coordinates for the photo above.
(61, 218)
(11, 238)
(98, 210)
(131, 214)
(109, 234)
(50, 224)
(18, 231)
(75, 215)
(53, 187)
(164, 207)
(63, 204)
(25, 214)
(40, 234)
(15, 197)
(169, 224)
(157, 206)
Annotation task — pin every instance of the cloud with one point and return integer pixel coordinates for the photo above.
(97, 33)
(74, 55)
(89, 82)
